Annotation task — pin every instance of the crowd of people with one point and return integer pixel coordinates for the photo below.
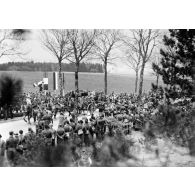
(95, 117)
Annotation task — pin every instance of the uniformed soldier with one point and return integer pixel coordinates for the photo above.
(2, 147)
(10, 146)
(86, 130)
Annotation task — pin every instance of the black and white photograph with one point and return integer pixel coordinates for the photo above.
(97, 97)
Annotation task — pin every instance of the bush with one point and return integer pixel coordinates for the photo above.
(174, 122)
(10, 89)
(40, 152)
(112, 151)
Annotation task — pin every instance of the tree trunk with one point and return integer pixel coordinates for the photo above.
(136, 81)
(76, 87)
(105, 78)
(193, 77)
(141, 79)
(60, 78)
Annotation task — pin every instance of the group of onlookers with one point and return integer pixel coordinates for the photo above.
(14, 145)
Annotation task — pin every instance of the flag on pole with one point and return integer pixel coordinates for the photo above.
(37, 84)
(55, 80)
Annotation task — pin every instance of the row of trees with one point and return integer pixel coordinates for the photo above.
(77, 46)
(174, 63)
(139, 49)
(49, 66)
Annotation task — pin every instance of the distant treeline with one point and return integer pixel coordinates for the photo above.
(49, 67)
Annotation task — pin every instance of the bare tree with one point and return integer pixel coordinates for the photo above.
(10, 41)
(81, 44)
(146, 41)
(133, 61)
(105, 44)
(132, 55)
(57, 42)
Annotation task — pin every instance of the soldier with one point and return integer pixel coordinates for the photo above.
(86, 130)
(29, 135)
(35, 113)
(101, 127)
(60, 133)
(61, 119)
(79, 129)
(2, 147)
(22, 142)
(47, 134)
(68, 130)
(10, 146)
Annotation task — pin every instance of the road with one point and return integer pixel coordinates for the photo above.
(16, 125)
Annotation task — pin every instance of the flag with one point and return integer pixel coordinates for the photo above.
(40, 83)
(35, 85)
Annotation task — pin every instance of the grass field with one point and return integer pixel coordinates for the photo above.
(87, 81)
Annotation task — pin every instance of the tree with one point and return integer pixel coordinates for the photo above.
(81, 43)
(57, 42)
(145, 42)
(10, 41)
(132, 56)
(178, 58)
(105, 44)
(10, 90)
(20, 33)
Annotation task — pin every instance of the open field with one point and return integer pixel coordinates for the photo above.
(87, 81)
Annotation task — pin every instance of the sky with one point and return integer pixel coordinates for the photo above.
(36, 52)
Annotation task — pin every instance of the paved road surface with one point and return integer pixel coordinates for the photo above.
(16, 125)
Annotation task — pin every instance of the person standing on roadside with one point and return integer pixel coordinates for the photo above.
(2, 147)
(10, 146)
(22, 142)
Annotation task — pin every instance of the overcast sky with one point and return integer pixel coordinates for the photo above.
(37, 53)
